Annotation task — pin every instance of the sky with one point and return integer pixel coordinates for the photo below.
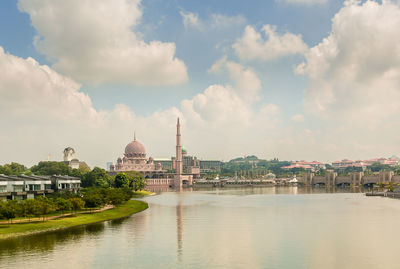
(287, 79)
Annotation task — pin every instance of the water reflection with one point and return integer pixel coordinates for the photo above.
(46, 242)
(227, 228)
(277, 190)
(43, 243)
(179, 228)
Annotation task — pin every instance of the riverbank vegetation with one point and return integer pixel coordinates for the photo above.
(65, 202)
(123, 210)
(252, 167)
(97, 177)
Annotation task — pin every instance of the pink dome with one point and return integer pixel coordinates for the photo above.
(135, 149)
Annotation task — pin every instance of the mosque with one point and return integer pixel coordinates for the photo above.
(135, 160)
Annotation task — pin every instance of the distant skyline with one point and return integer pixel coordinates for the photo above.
(288, 79)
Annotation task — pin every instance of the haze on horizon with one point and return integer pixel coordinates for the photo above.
(292, 79)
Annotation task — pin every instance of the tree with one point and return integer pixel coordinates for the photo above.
(137, 180)
(127, 193)
(5, 170)
(140, 183)
(115, 196)
(376, 167)
(51, 168)
(63, 204)
(98, 177)
(121, 180)
(12, 169)
(8, 211)
(93, 199)
(2, 205)
(77, 203)
(397, 169)
(44, 206)
(29, 207)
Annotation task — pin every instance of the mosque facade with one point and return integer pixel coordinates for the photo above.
(178, 171)
(135, 160)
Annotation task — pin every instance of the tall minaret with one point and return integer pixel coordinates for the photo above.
(178, 160)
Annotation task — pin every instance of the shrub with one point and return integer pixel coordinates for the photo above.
(77, 203)
(63, 204)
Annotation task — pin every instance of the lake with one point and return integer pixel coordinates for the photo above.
(270, 227)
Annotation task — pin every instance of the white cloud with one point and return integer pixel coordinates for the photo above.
(354, 79)
(214, 21)
(190, 19)
(355, 71)
(247, 83)
(298, 118)
(252, 46)
(42, 112)
(92, 41)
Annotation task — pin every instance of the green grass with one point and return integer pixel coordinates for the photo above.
(124, 210)
(142, 193)
(58, 213)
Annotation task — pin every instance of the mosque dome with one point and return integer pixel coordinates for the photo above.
(135, 149)
(184, 151)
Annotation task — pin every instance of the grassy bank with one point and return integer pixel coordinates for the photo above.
(124, 210)
(142, 193)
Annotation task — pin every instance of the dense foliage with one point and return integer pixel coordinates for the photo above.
(98, 177)
(130, 179)
(63, 202)
(12, 169)
(51, 168)
(252, 166)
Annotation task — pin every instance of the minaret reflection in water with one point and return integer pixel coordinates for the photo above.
(179, 227)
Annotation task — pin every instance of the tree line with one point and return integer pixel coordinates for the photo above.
(97, 177)
(63, 202)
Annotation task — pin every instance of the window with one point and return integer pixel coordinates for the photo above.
(18, 188)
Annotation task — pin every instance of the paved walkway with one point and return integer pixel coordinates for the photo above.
(56, 217)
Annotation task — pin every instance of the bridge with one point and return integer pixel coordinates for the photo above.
(355, 179)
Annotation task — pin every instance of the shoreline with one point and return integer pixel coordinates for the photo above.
(8, 231)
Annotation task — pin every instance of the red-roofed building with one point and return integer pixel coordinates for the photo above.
(309, 166)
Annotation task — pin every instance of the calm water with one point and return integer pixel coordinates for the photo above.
(241, 228)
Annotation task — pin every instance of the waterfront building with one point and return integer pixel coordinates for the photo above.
(392, 161)
(210, 166)
(308, 166)
(28, 187)
(65, 183)
(135, 160)
(179, 170)
(191, 164)
(166, 163)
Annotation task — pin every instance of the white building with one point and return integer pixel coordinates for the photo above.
(28, 187)
(69, 158)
